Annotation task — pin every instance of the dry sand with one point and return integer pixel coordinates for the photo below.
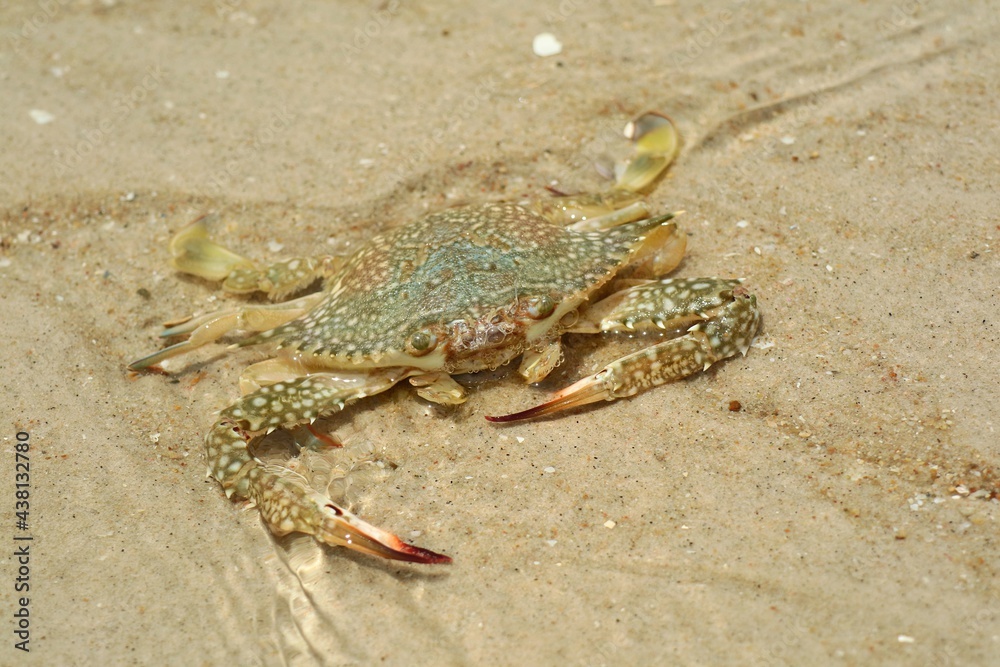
(840, 155)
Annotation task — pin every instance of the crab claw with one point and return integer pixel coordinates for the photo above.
(588, 390)
(338, 527)
(152, 360)
(725, 319)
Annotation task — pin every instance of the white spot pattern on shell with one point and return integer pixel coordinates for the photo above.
(457, 270)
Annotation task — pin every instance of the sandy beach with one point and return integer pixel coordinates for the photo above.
(842, 157)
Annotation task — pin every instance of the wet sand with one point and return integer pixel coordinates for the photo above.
(842, 158)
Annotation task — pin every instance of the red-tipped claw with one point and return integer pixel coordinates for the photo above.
(588, 390)
(342, 528)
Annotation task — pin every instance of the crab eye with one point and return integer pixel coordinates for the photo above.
(540, 307)
(421, 342)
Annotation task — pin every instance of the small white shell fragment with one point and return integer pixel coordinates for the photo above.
(545, 44)
(549, 469)
(788, 141)
(905, 639)
(743, 224)
(610, 524)
(41, 116)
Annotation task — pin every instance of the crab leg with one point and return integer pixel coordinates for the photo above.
(212, 326)
(720, 319)
(655, 144)
(195, 253)
(286, 501)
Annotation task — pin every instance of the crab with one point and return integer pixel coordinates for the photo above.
(458, 291)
